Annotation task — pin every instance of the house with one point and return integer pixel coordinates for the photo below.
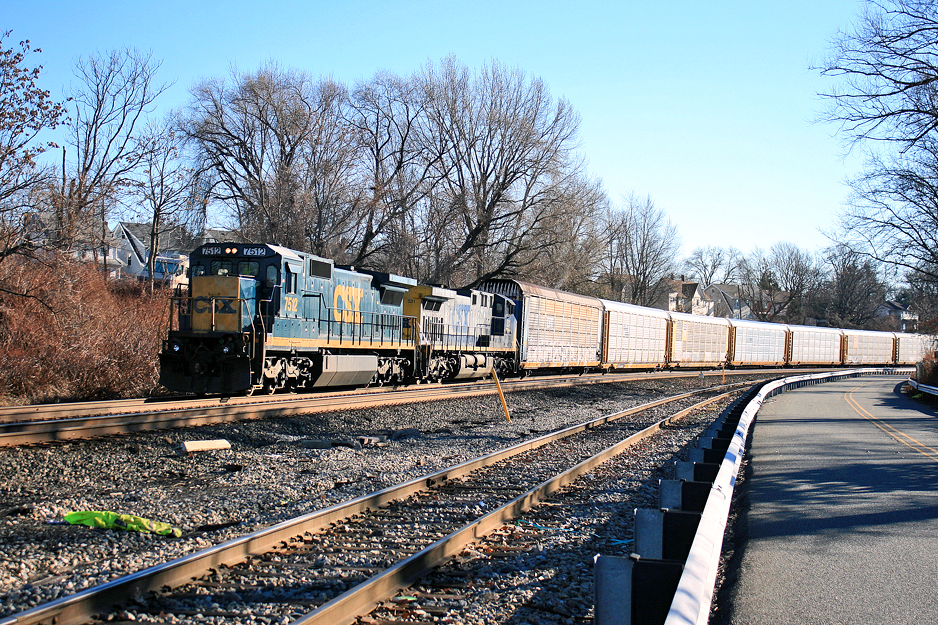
(686, 297)
(904, 319)
(93, 243)
(727, 302)
(132, 242)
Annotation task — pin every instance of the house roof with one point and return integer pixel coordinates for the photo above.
(687, 289)
(731, 290)
(174, 240)
(893, 306)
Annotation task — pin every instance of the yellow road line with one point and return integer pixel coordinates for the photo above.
(899, 435)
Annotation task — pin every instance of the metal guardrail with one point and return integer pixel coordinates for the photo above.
(691, 603)
(924, 388)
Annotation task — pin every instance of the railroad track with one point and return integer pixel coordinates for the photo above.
(21, 425)
(345, 560)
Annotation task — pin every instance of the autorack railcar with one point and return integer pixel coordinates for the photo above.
(864, 347)
(809, 345)
(911, 348)
(698, 341)
(634, 337)
(556, 329)
(756, 343)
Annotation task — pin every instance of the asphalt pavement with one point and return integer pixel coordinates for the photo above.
(841, 519)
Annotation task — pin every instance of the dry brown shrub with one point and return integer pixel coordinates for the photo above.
(76, 335)
(926, 371)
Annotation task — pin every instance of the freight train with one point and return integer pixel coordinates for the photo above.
(259, 317)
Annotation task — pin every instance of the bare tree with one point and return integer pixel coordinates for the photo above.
(264, 144)
(854, 291)
(330, 183)
(922, 297)
(163, 193)
(388, 116)
(570, 264)
(711, 265)
(886, 73)
(884, 97)
(893, 215)
(505, 149)
(759, 287)
(641, 251)
(776, 285)
(116, 91)
(25, 111)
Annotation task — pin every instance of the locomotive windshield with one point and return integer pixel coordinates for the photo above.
(228, 268)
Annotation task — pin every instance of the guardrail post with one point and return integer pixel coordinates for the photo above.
(664, 534)
(686, 495)
(612, 590)
(634, 589)
(696, 471)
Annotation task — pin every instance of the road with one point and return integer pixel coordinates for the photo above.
(842, 513)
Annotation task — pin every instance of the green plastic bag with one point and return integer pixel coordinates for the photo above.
(113, 520)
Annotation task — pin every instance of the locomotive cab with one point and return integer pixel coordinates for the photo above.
(212, 350)
(503, 321)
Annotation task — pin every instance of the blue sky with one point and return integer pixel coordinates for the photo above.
(706, 107)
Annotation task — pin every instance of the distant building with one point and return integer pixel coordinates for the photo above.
(92, 242)
(132, 241)
(727, 303)
(903, 319)
(686, 297)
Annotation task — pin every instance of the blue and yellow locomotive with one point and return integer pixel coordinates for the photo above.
(264, 317)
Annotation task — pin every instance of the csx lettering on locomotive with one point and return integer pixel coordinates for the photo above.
(223, 305)
(347, 302)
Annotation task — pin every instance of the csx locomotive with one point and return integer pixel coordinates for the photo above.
(265, 318)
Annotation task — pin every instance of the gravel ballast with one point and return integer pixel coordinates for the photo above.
(274, 470)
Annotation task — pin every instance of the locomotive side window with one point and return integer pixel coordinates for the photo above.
(289, 279)
(271, 278)
(319, 269)
(392, 297)
(498, 308)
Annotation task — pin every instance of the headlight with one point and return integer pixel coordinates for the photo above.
(175, 347)
(226, 349)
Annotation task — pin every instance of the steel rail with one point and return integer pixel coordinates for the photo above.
(37, 412)
(80, 607)
(81, 427)
(365, 597)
